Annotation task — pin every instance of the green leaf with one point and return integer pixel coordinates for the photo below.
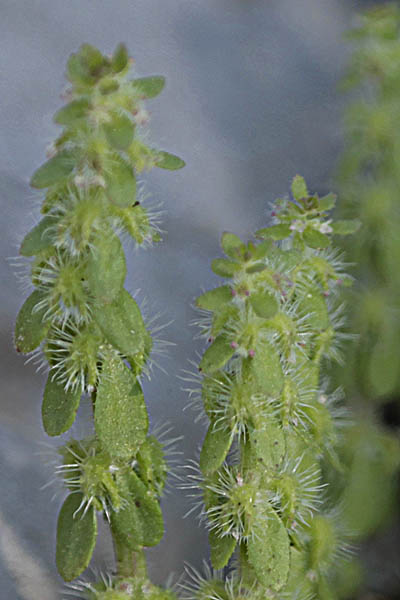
(327, 202)
(59, 407)
(384, 366)
(76, 537)
(299, 188)
(140, 522)
(119, 59)
(221, 548)
(106, 268)
(126, 522)
(212, 388)
(232, 245)
(165, 160)
(92, 62)
(313, 306)
(121, 419)
(225, 314)
(152, 466)
(323, 545)
(77, 71)
(39, 238)
(149, 87)
(269, 444)
(224, 267)
(346, 227)
(314, 238)
(149, 511)
(216, 355)
(275, 232)
(215, 299)
(215, 448)
(122, 324)
(119, 131)
(120, 182)
(256, 268)
(265, 305)
(263, 249)
(374, 457)
(72, 112)
(54, 170)
(267, 370)
(30, 329)
(268, 550)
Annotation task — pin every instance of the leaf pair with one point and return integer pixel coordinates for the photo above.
(139, 523)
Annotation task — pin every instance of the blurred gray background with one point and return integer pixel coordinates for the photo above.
(251, 99)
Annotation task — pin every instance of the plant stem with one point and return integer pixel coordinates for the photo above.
(129, 562)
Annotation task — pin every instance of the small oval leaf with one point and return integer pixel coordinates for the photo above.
(119, 131)
(215, 299)
(121, 419)
(149, 511)
(346, 227)
(327, 202)
(71, 113)
(39, 238)
(120, 182)
(299, 188)
(122, 324)
(224, 267)
(165, 160)
(269, 444)
(149, 87)
(76, 537)
(126, 522)
(221, 548)
(58, 407)
(119, 59)
(232, 245)
(268, 550)
(54, 170)
(275, 232)
(217, 355)
(313, 305)
(215, 448)
(265, 305)
(30, 329)
(267, 370)
(315, 239)
(106, 268)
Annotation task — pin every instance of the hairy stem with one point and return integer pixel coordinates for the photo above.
(130, 563)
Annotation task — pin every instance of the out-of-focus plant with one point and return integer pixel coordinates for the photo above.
(88, 328)
(274, 423)
(369, 184)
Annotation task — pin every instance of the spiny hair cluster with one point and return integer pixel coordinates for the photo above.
(273, 425)
(81, 320)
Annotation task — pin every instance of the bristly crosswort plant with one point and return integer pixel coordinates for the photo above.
(87, 327)
(274, 426)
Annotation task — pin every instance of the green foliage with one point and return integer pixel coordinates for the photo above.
(369, 181)
(59, 407)
(88, 327)
(120, 413)
(76, 537)
(273, 425)
(369, 178)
